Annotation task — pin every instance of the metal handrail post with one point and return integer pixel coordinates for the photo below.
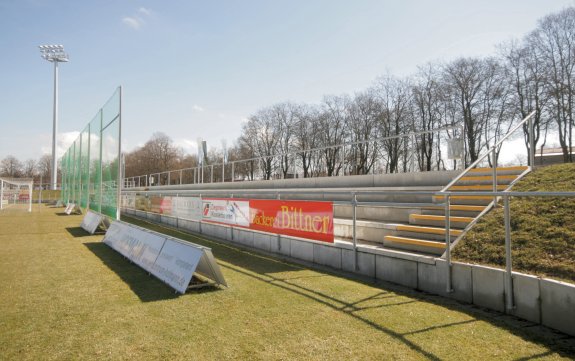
(449, 286)
(508, 260)
(354, 208)
(531, 144)
(494, 164)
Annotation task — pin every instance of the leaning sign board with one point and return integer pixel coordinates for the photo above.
(70, 208)
(169, 259)
(91, 221)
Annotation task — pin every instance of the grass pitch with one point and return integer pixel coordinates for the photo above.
(65, 295)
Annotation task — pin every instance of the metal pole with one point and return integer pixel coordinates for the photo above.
(531, 143)
(449, 286)
(508, 262)
(233, 170)
(354, 207)
(224, 172)
(55, 128)
(212, 174)
(120, 169)
(494, 164)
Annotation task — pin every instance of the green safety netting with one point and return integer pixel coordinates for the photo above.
(91, 166)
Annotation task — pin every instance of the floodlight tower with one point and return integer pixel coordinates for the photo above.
(54, 54)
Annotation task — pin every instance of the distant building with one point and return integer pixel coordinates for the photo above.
(549, 156)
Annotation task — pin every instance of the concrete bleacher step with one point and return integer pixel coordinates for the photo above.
(455, 210)
(414, 244)
(433, 220)
(500, 171)
(427, 230)
(477, 187)
(487, 179)
(466, 200)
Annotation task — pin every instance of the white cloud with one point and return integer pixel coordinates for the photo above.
(137, 20)
(189, 146)
(134, 22)
(198, 108)
(145, 11)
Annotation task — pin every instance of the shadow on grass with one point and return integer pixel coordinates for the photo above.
(77, 232)
(266, 269)
(145, 286)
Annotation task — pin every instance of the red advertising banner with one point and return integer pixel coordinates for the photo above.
(312, 220)
(162, 205)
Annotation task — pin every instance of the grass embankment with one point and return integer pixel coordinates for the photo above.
(66, 295)
(542, 229)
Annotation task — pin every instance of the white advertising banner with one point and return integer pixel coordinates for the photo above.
(129, 201)
(229, 211)
(170, 260)
(189, 208)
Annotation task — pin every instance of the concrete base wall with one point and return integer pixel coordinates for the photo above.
(548, 302)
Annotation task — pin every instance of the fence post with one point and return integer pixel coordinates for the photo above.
(449, 286)
(508, 261)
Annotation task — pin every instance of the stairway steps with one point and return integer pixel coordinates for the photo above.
(467, 208)
(441, 218)
(500, 170)
(500, 187)
(438, 220)
(424, 229)
(433, 247)
(487, 178)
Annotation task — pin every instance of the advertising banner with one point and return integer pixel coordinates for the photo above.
(189, 208)
(161, 205)
(229, 211)
(313, 220)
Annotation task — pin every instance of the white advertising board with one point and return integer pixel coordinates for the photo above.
(189, 208)
(176, 264)
(230, 211)
(70, 208)
(171, 260)
(91, 222)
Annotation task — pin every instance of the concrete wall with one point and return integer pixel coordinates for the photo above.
(538, 300)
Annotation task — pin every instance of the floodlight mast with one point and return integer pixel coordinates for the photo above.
(54, 54)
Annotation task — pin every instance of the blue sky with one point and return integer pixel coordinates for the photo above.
(199, 68)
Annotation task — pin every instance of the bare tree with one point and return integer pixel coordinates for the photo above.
(554, 42)
(261, 134)
(364, 112)
(333, 131)
(11, 167)
(394, 97)
(526, 73)
(307, 136)
(427, 113)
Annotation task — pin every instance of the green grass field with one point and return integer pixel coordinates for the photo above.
(65, 295)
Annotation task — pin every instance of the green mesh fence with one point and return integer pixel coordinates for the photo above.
(91, 166)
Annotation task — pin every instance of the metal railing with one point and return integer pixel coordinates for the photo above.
(509, 298)
(207, 173)
(490, 152)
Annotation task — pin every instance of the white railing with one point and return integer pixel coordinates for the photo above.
(207, 173)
